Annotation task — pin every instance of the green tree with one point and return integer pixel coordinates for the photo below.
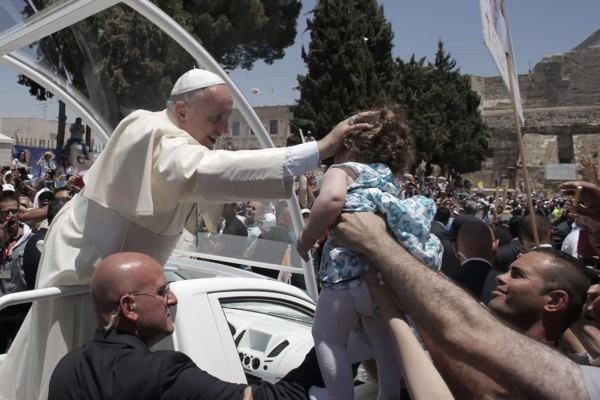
(444, 112)
(467, 137)
(418, 90)
(349, 60)
(140, 64)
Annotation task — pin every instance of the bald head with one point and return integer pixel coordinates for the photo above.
(119, 274)
(476, 239)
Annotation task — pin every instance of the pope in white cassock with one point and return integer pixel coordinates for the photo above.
(137, 197)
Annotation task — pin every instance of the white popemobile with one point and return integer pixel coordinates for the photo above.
(238, 326)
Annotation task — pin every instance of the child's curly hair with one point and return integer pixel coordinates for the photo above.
(390, 141)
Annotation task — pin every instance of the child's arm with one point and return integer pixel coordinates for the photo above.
(327, 207)
(421, 376)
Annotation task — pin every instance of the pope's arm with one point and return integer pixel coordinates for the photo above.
(191, 173)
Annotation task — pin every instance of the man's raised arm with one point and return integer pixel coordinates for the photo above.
(457, 323)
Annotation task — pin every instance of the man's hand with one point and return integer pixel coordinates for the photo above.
(592, 304)
(71, 181)
(331, 144)
(590, 199)
(360, 231)
(588, 212)
(588, 169)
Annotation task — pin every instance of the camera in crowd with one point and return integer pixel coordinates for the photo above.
(51, 174)
(23, 173)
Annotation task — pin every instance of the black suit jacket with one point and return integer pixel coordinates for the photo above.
(450, 263)
(472, 275)
(508, 253)
(31, 258)
(502, 234)
(560, 232)
(122, 367)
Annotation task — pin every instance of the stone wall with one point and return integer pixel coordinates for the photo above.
(561, 103)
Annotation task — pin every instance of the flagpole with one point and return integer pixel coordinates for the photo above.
(509, 64)
(496, 203)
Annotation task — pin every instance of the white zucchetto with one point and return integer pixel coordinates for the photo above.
(195, 79)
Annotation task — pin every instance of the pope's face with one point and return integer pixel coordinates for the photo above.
(208, 119)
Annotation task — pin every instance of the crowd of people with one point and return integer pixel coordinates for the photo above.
(545, 291)
(505, 302)
(26, 211)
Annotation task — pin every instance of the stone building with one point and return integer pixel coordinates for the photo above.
(42, 131)
(275, 119)
(33, 132)
(561, 103)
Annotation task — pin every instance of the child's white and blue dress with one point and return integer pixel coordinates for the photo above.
(375, 190)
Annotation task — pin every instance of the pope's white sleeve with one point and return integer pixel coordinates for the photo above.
(300, 159)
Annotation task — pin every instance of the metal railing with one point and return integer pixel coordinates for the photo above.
(41, 294)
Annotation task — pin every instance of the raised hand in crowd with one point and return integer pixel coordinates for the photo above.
(587, 328)
(588, 211)
(588, 169)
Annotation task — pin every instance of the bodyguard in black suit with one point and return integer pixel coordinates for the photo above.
(475, 246)
(509, 252)
(438, 228)
(502, 230)
(133, 303)
(473, 274)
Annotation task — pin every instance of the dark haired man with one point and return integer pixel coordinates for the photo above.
(475, 248)
(502, 229)
(542, 294)
(544, 231)
(490, 358)
(32, 254)
(77, 130)
(509, 252)
(13, 239)
(450, 263)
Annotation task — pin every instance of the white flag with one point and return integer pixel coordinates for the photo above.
(496, 36)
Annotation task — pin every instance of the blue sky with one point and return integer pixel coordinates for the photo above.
(539, 28)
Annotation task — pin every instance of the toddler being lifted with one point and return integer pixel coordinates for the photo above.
(362, 180)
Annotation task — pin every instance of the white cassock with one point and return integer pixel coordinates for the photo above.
(137, 197)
